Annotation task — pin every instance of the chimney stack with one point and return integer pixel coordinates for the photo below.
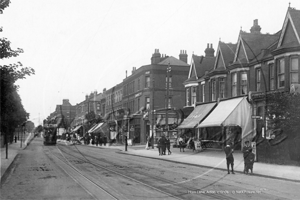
(255, 28)
(183, 56)
(155, 57)
(209, 51)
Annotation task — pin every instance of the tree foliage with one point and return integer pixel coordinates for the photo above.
(12, 110)
(284, 112)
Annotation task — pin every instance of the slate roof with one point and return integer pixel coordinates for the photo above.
(257, 42)
(228, 51)
(295, 15)
(203, 64)
(173, 61)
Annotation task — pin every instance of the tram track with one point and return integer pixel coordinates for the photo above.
(65, 160)
(163, 181)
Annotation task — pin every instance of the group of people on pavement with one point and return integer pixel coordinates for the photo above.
(189, 143)
(163, 144)
(247, 155)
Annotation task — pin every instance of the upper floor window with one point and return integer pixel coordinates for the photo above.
(258, 80)
(222, 88)
(138, 86)
(203, 92)
(280, 73)
(233, 84)
(294, 70)
(170, 81)
(272, 76)
(147, 83)
(213, 89)
(187, 96)
(244, 83)
(147, 103)
(194, 97)
(169, 102)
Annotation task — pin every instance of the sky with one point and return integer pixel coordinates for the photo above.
(77, 47)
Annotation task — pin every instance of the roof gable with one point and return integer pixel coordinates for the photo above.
(240, 55)
(291, 29)
(192, 72)
(220, 64)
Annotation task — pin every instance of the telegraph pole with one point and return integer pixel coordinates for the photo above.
(153, 118)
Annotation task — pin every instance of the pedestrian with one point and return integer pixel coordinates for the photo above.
(181, 143)
(246, 151)
(159, 146)
(249, 162)
(192, 144)
(168, 144)
(163, 145)
(104, 140)
(96, 140)
(229, 157)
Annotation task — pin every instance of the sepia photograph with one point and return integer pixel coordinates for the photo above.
(148, 99)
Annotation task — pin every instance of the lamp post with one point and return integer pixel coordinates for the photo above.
(167, 99)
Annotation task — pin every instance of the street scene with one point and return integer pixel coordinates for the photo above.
(68, 171)
(150, 100)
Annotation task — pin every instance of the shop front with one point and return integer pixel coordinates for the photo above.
(230, 121)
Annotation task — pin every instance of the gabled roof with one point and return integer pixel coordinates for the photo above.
(252, 44)
(292, 24)
(173, 61)
(225, 54)
(203, 64)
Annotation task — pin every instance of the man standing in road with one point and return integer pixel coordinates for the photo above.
(229, 157)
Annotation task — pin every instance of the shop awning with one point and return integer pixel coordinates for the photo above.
(96, 128)
(76, 128)
(91, 129)
(198, 114)
(232, 112)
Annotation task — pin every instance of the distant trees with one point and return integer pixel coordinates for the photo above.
(12, 110)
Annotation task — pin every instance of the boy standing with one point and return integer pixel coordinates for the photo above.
(229, 157)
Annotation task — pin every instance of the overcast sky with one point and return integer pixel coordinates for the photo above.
(77, 47)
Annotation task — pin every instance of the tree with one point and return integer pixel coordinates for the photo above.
(12, 110)
(283, 113)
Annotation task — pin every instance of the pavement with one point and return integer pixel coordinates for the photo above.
(212, 159)
(13, 150)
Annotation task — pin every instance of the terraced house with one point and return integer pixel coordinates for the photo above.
(229, 91)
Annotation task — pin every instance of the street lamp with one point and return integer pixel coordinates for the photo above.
(167, 99)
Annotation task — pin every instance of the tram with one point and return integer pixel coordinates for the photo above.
(50, 134)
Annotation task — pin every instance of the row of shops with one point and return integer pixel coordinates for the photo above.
(217, 122)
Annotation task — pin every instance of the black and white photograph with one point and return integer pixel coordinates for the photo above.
(146, 99)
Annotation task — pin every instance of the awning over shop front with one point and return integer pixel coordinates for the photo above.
(231, 113)
(198, 114)
(97, 128)
(91, 129)
(76, 128)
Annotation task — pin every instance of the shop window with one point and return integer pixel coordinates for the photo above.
(233, 84)
(222, 88)
(280, 73)
(294, 70)
(213, 89)
(258, 80)
(244, 83)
